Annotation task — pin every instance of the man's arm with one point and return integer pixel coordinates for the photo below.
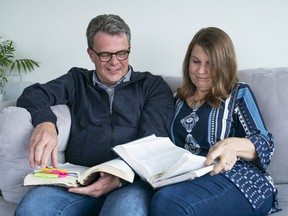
(38, 99)
(158, 111)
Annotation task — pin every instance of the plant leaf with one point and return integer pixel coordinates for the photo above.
(8, 61)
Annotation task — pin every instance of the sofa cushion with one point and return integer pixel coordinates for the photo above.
(15, 132)
(173, 82)
(270, 88)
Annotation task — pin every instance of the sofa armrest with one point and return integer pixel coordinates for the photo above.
(15, 132)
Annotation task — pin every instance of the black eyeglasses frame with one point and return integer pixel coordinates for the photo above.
(102, 55)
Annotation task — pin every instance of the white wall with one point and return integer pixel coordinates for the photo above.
(53, 32)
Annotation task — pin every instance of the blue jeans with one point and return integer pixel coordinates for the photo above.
(134, 200)
(205, 196)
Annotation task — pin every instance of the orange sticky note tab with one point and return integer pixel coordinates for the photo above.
(53, 170)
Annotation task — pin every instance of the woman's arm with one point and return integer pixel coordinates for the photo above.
(251, 141)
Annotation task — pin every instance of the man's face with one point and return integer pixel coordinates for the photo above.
(113, 70)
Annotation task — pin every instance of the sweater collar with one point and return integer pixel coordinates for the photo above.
(125, 78)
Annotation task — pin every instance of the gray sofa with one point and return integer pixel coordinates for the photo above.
(269, 85)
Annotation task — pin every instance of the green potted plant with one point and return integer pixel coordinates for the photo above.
(8, 62)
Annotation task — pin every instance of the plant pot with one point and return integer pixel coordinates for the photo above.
(14, 87)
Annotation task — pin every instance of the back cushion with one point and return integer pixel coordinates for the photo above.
(271, 91)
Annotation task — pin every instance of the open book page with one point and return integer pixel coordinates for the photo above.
(186, 176)
(150, 158)
(72, 168)
(115, 167)
(185, 164)
(157, 157)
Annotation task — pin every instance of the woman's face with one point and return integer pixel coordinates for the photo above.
(199, 71)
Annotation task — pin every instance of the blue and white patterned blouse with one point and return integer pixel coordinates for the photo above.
(197, 130)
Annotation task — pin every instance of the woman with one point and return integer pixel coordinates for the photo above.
(218, 117)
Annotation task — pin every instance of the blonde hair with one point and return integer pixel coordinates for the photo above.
(222, 62)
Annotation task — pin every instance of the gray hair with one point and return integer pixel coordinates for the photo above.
(110, 24)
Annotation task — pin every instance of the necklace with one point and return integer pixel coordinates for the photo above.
(194, 103)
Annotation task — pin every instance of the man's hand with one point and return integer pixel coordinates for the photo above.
(103, 185)
(43, 144)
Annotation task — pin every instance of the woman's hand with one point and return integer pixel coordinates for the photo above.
(103, 185)
(226, 153)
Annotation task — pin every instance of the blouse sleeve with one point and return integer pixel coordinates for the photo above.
(252, 125)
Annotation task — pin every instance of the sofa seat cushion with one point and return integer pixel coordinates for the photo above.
(6, 208)
(283, 200)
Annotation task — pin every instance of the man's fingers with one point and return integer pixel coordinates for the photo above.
(43, 144)
(54, 157)
(31, 158)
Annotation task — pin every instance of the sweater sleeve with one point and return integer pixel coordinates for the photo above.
(253, 125)
(38, 98)
(158, 110)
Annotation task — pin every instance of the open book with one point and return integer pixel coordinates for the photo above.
(159, 162)
(76, 175)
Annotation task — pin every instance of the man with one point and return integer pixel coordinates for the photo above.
(110, 105)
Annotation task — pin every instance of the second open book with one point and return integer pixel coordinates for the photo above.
(155, 159)
(159, 162)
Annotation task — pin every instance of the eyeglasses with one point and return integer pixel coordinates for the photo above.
(106, 56)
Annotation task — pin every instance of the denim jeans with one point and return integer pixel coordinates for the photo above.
(205, 196)
(134, 200)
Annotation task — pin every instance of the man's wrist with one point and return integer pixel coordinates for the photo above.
(122, 183)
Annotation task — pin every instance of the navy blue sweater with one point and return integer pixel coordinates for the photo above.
(141, 107)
